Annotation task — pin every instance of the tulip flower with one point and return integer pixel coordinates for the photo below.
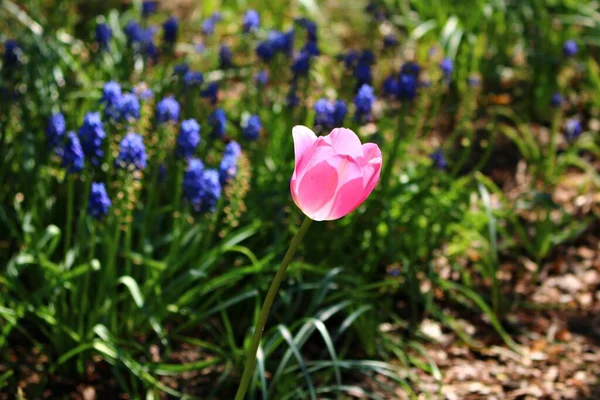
(334, 174)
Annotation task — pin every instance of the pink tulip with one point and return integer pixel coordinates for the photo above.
(334, 174)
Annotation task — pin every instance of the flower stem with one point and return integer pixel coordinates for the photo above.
(266, 308)
(70, 200)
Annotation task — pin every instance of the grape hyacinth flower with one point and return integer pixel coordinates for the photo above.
(557, 100)
(439, 159)
(270, 46)
(339, 113)
(143, 91)
(287, 42)
(311, 28)
(324, 114)
(170, 28)
(301, 65)
(311, 48)
(72, 154)
(147, 43)
(362, 73)
(251, 21)
(208, 25)
(252, 127)
(225, 57)
(292, 99)
(103, 35)
(211, 92)
(188, 139)
(167, 109)
(129, 107)
(201, 187)
(133, 32)
(390, 41)
(364, 100)
(148, 7)
(350, 59)
(132, 152)
(181, 69)
(570, 48)
(447, 67)
(262, 77)
(111, 95)
(410, 68)
(233, 148)
(227, 169)
(55, 130)
(99, 203)
(573, 129)
(407, 87)
(91, 135)
(391, 86)
(218, 121)
(193, 78)
(12, 52)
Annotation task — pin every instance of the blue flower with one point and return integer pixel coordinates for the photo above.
(181, 69)
(208, 25)
(12, 52)
(391, 86)
(251, 131)
(99, 203)
(167, 109)
(91, 135)
(225, 57)
(390, 41)
(557, 100)
(350, 59)
(193, 78)
(324, 113)
(170, 28)
(407, 87)
(573, 129)
(218, 121)
(143, 91)
(438, 158)
(148, 7)
(132, 152)
(410, 68)
(287, 42)
(103, 35)
(147, 42)
(227, 169)
(211, 92)
(201, 187)
(251, 21)
(262, 77)
(72, 154)
(111, 95)
(301, 64)
(55, 131)
(339, 113)
(188, 139)
(276, 42)
(233, 148)
(129, 107)
(133, 31)
(310, 26)
(362, 73)
(364, 100)
(311, 48)
(447, 66)
(570, 48)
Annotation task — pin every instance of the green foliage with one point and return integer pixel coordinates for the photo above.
(155, 274)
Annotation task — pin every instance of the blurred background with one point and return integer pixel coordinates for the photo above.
(146, 154)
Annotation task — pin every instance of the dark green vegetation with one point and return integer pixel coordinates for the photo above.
(157, 298)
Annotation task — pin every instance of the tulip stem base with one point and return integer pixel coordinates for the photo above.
(266, 308)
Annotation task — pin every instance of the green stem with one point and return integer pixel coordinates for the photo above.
(552, 148)
(266, 308)
(70, 201)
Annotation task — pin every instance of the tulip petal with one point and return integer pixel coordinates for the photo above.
(315, 189)
(346, 142)
(319, 151)
(372, 167)
(303, 139)
(349, 192)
